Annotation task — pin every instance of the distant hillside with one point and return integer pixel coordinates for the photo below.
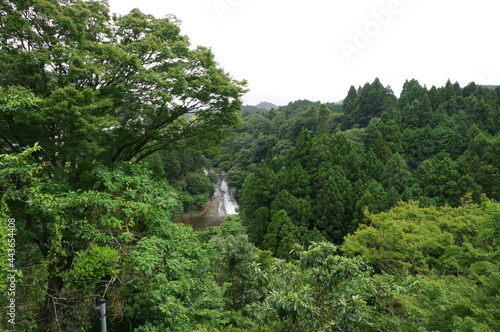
(261, 107)
(491, 86)
(266, 105)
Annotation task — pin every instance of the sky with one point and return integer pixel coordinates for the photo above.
(316, 49)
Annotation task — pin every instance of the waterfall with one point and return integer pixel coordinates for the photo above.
(225, 196)
(220, 205)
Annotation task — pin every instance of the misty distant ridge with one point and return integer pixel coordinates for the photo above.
(266, 105)
(491, 86)
(261, 107)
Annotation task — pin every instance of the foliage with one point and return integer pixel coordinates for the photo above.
(171, 288)
(75, 241)
(179, 164)
(103, 95)
(320, 292)
(420, 240)
(91, 266)
(410, 173)
(451, 253)
(427, 145)
(366, 103)
(123, 106)
(198, 183)
(106, 89)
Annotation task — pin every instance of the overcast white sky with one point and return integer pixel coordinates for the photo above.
(317, 49)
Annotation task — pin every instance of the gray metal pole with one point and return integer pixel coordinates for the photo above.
(102, 309)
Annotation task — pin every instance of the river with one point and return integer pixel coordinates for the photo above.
(220, 205)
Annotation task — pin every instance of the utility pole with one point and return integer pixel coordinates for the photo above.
(102, 309)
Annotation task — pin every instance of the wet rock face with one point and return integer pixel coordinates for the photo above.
(220, 205)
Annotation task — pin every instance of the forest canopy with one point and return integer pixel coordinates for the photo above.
(93, 87)
(377, 214)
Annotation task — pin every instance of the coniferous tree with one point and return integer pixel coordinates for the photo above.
(396, 174)
(333, 210)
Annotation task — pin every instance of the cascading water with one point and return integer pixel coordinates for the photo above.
(227, 203)
(219, 206)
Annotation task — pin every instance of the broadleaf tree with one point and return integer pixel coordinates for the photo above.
(85, 98)
(109, 88)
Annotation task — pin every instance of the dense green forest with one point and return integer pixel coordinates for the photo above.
(379, 213)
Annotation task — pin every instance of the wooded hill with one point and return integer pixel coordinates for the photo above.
(379, 214)
(435, 146)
